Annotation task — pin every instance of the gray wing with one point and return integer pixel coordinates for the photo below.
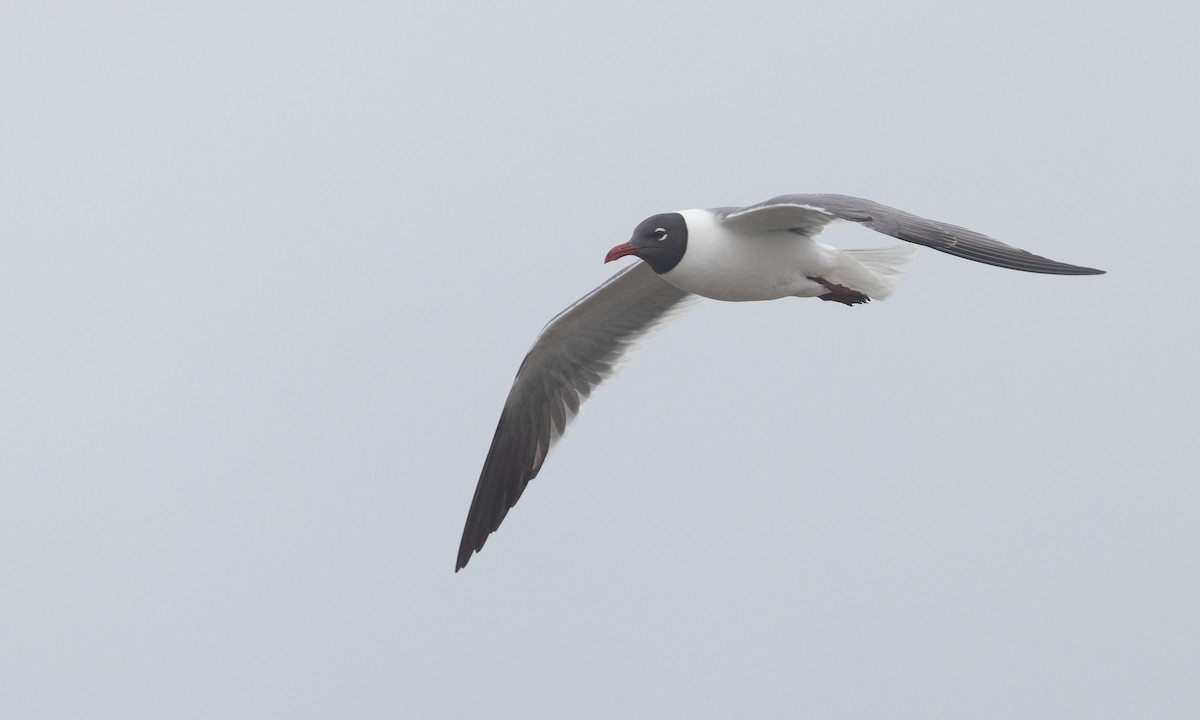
(807, 214)
(574, 353)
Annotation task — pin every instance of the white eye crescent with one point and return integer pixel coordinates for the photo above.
(661, 233)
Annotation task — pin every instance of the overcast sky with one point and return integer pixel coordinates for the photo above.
(267, 271)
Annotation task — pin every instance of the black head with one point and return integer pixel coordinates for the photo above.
(660, 240)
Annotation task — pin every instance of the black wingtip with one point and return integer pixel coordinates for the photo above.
(465, 550)
(1080, 270)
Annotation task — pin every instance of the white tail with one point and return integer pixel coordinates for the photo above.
(874, 271)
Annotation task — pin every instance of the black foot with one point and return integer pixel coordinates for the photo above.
(840, 293)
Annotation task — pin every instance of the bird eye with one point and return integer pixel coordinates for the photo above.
(661, 233)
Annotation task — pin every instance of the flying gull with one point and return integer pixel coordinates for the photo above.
(761, 252)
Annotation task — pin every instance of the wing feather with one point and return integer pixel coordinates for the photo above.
(807, 214)
(574, 353)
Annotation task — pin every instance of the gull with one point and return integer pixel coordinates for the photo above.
(759, 252)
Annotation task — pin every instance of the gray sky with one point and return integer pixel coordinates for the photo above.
(268, 270)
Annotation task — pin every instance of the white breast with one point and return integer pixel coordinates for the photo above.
(723, 265)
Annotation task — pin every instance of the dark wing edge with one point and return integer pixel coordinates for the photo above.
(943, 237)
(576, 351)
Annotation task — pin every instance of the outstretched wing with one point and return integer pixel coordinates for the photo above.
(574, 353)
(807, 214)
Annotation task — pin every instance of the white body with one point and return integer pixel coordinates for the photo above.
(726, 265)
